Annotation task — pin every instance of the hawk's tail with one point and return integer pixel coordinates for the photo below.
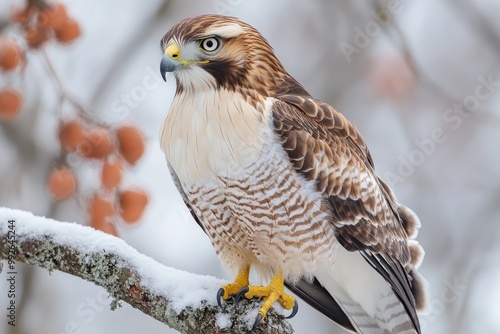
(317, 296)
(370, 303)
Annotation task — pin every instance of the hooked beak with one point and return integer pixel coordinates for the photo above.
(170, 61)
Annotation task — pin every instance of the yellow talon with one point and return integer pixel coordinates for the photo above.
(232, 289)
(275, 291)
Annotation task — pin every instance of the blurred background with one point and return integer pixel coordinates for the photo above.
(420, 79)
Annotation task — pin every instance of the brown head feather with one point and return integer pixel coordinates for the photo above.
(246, 62)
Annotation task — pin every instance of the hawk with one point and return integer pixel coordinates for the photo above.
(283, 184)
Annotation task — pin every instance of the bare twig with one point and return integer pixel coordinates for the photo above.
(64, 95)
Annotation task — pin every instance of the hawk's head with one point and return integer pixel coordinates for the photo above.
(215, 51)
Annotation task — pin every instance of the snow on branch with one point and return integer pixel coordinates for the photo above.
(183, 301)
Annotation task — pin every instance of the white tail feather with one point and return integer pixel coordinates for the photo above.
(366, 298)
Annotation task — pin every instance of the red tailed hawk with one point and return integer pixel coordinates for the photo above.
(284, 185)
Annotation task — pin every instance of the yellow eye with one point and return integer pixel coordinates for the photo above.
(210, 44)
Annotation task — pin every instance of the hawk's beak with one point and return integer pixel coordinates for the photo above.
(170, 61)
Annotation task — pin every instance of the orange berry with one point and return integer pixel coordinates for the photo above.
(97, 144)
(101, 212)
(10, 54)
(111, 174)
(391, 75)
(10, 103)
(101, 206)
(132, 204)
(21, 16)
(68, 32)
(36, 36)
(61, 183)
(131, 143)
(104, 226)
(71, 134)
(54, 17)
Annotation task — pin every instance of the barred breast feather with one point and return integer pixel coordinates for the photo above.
(241, 186)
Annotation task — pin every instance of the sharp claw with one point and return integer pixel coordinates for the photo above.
(220, 293)
(240, 294)
(256, 323)
(294, 310)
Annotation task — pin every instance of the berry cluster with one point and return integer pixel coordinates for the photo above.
(115, 150)
(11, 57)
(40, 21)
(112, 150)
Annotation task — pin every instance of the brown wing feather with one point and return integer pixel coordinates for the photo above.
(326, 148)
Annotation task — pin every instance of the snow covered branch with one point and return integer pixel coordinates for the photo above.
(183, 301)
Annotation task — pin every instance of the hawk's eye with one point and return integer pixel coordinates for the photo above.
(210, 44)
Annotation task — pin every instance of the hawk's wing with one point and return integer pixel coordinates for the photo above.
(178, 185)
(324, 147)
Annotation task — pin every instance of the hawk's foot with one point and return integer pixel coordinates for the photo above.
(275, 291)
(232, 289)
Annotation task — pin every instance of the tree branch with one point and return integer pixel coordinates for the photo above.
(183, 301)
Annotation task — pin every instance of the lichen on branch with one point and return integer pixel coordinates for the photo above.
(129, 276)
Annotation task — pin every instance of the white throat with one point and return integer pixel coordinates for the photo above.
(213, 133)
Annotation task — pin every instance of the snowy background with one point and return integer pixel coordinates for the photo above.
(424, 92)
